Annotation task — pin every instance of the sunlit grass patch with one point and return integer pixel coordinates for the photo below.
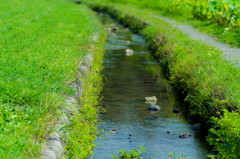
(41, 45)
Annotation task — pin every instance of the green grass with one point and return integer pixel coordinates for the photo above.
(41, 45)
(203, 78)
(221, 33)
(83, 131)
(133, 154)
(226, 34)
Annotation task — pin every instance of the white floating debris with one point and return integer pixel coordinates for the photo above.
(129, 52)
(153, 98)
(109, 29)
(112, 132)
(151, 102)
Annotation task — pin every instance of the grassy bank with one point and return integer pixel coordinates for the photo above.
(223, 12)
(42, 44)
(84, 129)
(217, 18)
(206, 82)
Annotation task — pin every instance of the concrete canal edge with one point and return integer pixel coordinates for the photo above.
(190, 66)
(88, 74)
(54, 147)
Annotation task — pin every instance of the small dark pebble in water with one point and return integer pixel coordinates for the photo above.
(115, 29)
(129, 136)
(184, 136)
(175, 111)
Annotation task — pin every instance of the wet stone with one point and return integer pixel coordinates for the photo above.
(184, 136)
(112, 132)
(129, 136)
(152, 112)
(115, 29)
(154, 107)
(175, 111)
(151, 102)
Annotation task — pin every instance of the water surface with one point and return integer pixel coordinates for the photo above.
(128, 80)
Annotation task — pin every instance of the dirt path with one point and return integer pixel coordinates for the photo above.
(232, 53)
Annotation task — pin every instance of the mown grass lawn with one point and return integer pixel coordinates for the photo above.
(41, 45)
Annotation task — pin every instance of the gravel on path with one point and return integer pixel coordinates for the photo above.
(232, 53)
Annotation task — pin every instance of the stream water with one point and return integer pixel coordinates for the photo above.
(128, 80)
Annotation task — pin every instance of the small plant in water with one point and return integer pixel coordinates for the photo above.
(133, 154)
(173, 156)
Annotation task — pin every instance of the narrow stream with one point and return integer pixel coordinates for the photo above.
(128, 80)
